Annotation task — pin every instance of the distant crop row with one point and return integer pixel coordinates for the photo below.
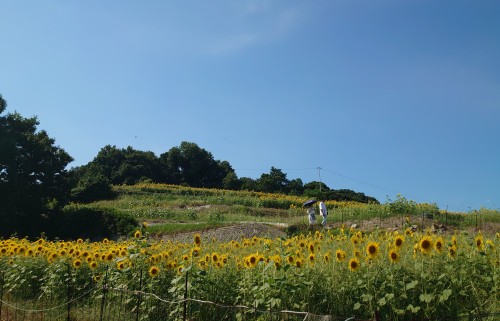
(158, 200)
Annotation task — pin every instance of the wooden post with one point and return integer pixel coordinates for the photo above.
(104, 290)
(138, 297)
(185, 297)
(68, 295)
(1, 294)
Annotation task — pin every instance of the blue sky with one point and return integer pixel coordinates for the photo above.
(385, 96)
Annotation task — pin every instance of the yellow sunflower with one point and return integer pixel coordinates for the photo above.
(93, 265)
(439, 244)
(479, 242)
(153, 271)
(426, 244)
(452, 251)
(77, 263)
(354, 264)
(252, 260)
(195, 251)
(197, 239)
(327, 257)
(399, 241)
(120, 265)
(372, 249)
(340, 255)
(277, 261)
(393, 255)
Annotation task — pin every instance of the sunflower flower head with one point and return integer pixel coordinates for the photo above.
(340, 255)
(399, 241)
(197, 239)
(372, 250)
(393, 255)
(426, 244)
(354, 264)
(439, 245)
(154, 271)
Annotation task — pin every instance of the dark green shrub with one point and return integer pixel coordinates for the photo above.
(93, 186)
(96, 224)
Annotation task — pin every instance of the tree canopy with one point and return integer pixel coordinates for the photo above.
(32, 173)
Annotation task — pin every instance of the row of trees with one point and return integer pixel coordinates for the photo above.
(35, 183)
(189, 165)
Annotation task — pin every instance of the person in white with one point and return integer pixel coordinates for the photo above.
(323, 212)
(311, 213)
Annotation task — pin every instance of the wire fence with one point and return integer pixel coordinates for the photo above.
(116, 303)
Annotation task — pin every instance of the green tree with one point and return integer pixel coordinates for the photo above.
(312, 189)
(191, 165)
(127, 166)
(33, 175)
(350, 195)
(248, 184)
(138, 166)
(296, 187)
(231, 181)
(93, 185)
(274, 182)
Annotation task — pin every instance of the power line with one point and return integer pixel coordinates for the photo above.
(359, 181)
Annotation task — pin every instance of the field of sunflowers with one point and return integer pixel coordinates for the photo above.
(343, 273)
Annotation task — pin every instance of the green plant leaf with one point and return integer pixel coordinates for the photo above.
(357, 305)
(413, 309)
(411, 285)
(426, 297)
(445, 295)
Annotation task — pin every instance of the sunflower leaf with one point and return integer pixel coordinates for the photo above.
(411, 285)
(445, 295)
(413, 309)
(426, 297)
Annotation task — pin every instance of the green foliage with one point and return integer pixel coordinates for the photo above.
(126, 166)
(402, 206)
(84, 222)
(194, 166)
(33, 178)
(274, 182)
(93, 186)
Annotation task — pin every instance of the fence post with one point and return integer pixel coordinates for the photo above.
(104, 290)
(68, 295)
(1, 294)
(139, 297)
(185, 297)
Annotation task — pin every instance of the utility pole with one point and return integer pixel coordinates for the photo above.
(319, 174)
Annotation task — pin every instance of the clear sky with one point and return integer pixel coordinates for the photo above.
(385, 96)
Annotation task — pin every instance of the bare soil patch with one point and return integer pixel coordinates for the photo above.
(228, 233)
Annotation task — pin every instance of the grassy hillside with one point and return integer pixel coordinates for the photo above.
(173, 208)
